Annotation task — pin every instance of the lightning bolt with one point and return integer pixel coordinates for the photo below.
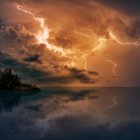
(102, 42)
(19, 7)
(85, 60)
(114, 66)
(43, 35)
(113, 37)
(85, 35)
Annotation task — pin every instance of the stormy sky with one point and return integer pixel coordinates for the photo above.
(77, 26)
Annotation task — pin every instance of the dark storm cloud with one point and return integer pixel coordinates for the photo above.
(130, 7)
(81, 13)
(16, 33)
(33, 58)
(82, 75)
(34, 61)
(19, 42)
(7, 61)
(93, 72)
(87, 14)
(33, 74)
(73, 76)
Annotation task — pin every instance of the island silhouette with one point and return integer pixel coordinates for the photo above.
(12, 82)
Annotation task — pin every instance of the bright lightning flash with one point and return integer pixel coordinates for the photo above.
(73, 54)
(43, 35)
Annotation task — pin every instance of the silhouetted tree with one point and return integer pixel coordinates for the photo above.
(8, 80)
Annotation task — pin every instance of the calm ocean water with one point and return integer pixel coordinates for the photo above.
(71, 114)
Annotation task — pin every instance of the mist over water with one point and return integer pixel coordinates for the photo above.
(71, 114)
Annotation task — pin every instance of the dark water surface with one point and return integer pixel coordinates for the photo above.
(71, 114)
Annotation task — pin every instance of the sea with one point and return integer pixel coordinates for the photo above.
(71, 114)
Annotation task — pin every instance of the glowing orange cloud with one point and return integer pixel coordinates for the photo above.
(74, 55)
(43, 34)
